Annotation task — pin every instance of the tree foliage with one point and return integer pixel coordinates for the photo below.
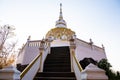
(6, 47)
(104, 64)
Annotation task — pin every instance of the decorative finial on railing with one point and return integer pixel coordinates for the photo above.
(103, 46)
(29, 37)
(91, 42)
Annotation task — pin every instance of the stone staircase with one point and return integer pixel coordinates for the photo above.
(57, 65)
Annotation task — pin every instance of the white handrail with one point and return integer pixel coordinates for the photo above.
(35, 66)
(77, 67)
(44, 55)
(31, 70)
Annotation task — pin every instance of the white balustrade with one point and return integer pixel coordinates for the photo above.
(31, 70)
(76, 67)
(35, 66)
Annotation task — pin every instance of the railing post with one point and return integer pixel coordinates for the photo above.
(92, 72)
(72, 50)
(9, 73)
(42, 45)
(49, 40)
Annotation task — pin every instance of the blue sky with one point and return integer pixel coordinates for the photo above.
(95, 19)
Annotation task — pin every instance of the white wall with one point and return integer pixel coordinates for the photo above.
(84, 49)
(30, 51)
(57, 43)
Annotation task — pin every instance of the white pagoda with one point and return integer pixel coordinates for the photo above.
(59, 43)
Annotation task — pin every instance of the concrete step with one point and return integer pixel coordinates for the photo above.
(57, 66)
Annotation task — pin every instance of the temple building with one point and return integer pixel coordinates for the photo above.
(59, 53)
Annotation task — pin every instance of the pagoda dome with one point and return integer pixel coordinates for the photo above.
(60, 33)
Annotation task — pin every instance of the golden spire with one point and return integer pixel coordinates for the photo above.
(61, 16)
(61, 31)
(60, 22)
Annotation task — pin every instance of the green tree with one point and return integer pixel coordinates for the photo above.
(104, 64)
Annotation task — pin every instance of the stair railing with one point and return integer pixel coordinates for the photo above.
(36, 65)
(44, 55)
(31, 70)
(77, 67)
